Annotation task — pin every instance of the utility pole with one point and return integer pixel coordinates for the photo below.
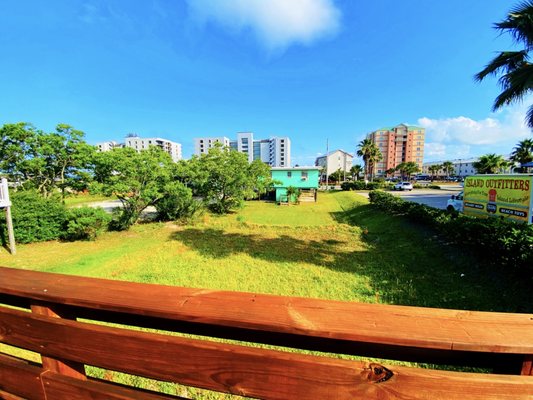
(344, 167)
(327, 156)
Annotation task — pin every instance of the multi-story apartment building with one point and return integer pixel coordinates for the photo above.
(139, 144)
(335, 160)
(107, 146)
(202, 145)
(398, 144)
(462, 167)
(275, 151)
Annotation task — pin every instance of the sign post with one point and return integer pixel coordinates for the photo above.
(6, 203)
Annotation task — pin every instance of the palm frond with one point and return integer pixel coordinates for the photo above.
(529, 117)
(515, 85)
(519, 23)
(506, 61)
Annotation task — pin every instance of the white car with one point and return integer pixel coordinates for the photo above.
(403, 186)
(455, 203)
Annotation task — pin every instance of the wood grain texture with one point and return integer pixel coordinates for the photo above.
(320, 320)
(63, 387)
(9, 396)
(64, 367)
(527, 365)
(20, 378)
(246, 371)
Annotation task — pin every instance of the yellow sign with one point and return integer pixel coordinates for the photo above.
(498, 195)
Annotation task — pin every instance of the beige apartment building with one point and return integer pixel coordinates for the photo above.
(398, 144)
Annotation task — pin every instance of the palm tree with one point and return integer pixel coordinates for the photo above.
(489, 164)
(447, 167)
(370, 154)
(514, 67)
(390, 171)
(408, 168)
(356, 171)
(433, 169)
(523, 153)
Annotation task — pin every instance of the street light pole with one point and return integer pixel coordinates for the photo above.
(327, 159)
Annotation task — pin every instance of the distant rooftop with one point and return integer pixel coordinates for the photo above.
(334, 151)
(409, 127)
(294, 168)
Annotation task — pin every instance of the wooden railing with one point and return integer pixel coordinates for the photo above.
(502, 342)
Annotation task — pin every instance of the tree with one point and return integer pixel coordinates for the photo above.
(355, 171)
(489, 164)
(434, 169)
(260, 177)
(137, 179)
(15, 143)
(336, 176)
(513, 67)
(448, 167)
(390, 171)
(225, 179)
(45, 161)
(523, 153)
(293, 193)
(370, 154)
(407, 169)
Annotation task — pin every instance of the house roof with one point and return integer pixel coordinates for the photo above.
(294, 168)
(409, 127)
(334, 151)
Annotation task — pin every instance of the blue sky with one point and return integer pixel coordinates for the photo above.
(307, 69)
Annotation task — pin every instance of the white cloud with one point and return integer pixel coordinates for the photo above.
(460, 137)
(276, 23)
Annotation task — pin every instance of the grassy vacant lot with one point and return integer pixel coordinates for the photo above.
(338, 248)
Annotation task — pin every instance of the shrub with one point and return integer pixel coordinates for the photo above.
(122, 218)
(361, 185)
(84, 223)
(178, 204)
(36, 219)
(497, 240)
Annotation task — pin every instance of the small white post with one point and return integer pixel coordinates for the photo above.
(5, 203)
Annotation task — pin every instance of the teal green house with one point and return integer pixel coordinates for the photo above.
(303, 178)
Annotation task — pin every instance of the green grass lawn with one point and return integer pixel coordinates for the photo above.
(338, 248)
(83, 199)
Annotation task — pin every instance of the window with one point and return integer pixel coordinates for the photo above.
(304, 175)
(289, 174)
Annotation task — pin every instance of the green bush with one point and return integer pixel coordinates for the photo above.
(361, 185)
(178, 204)
(122, 218)
(35, 219)
(499, 241)
(84, 223)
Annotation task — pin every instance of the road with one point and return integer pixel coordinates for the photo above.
(431, 197)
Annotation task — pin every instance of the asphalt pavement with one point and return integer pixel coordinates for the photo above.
(436, 198)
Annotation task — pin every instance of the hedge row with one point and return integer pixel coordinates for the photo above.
(38, 219)
(361, 185)
(497, 240)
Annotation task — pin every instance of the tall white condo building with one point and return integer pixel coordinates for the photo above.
(275, 151)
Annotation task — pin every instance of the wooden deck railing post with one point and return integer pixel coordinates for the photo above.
(527, 365)
(63, 367)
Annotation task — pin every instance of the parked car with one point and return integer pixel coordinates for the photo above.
(455, 203)
(403, 186)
